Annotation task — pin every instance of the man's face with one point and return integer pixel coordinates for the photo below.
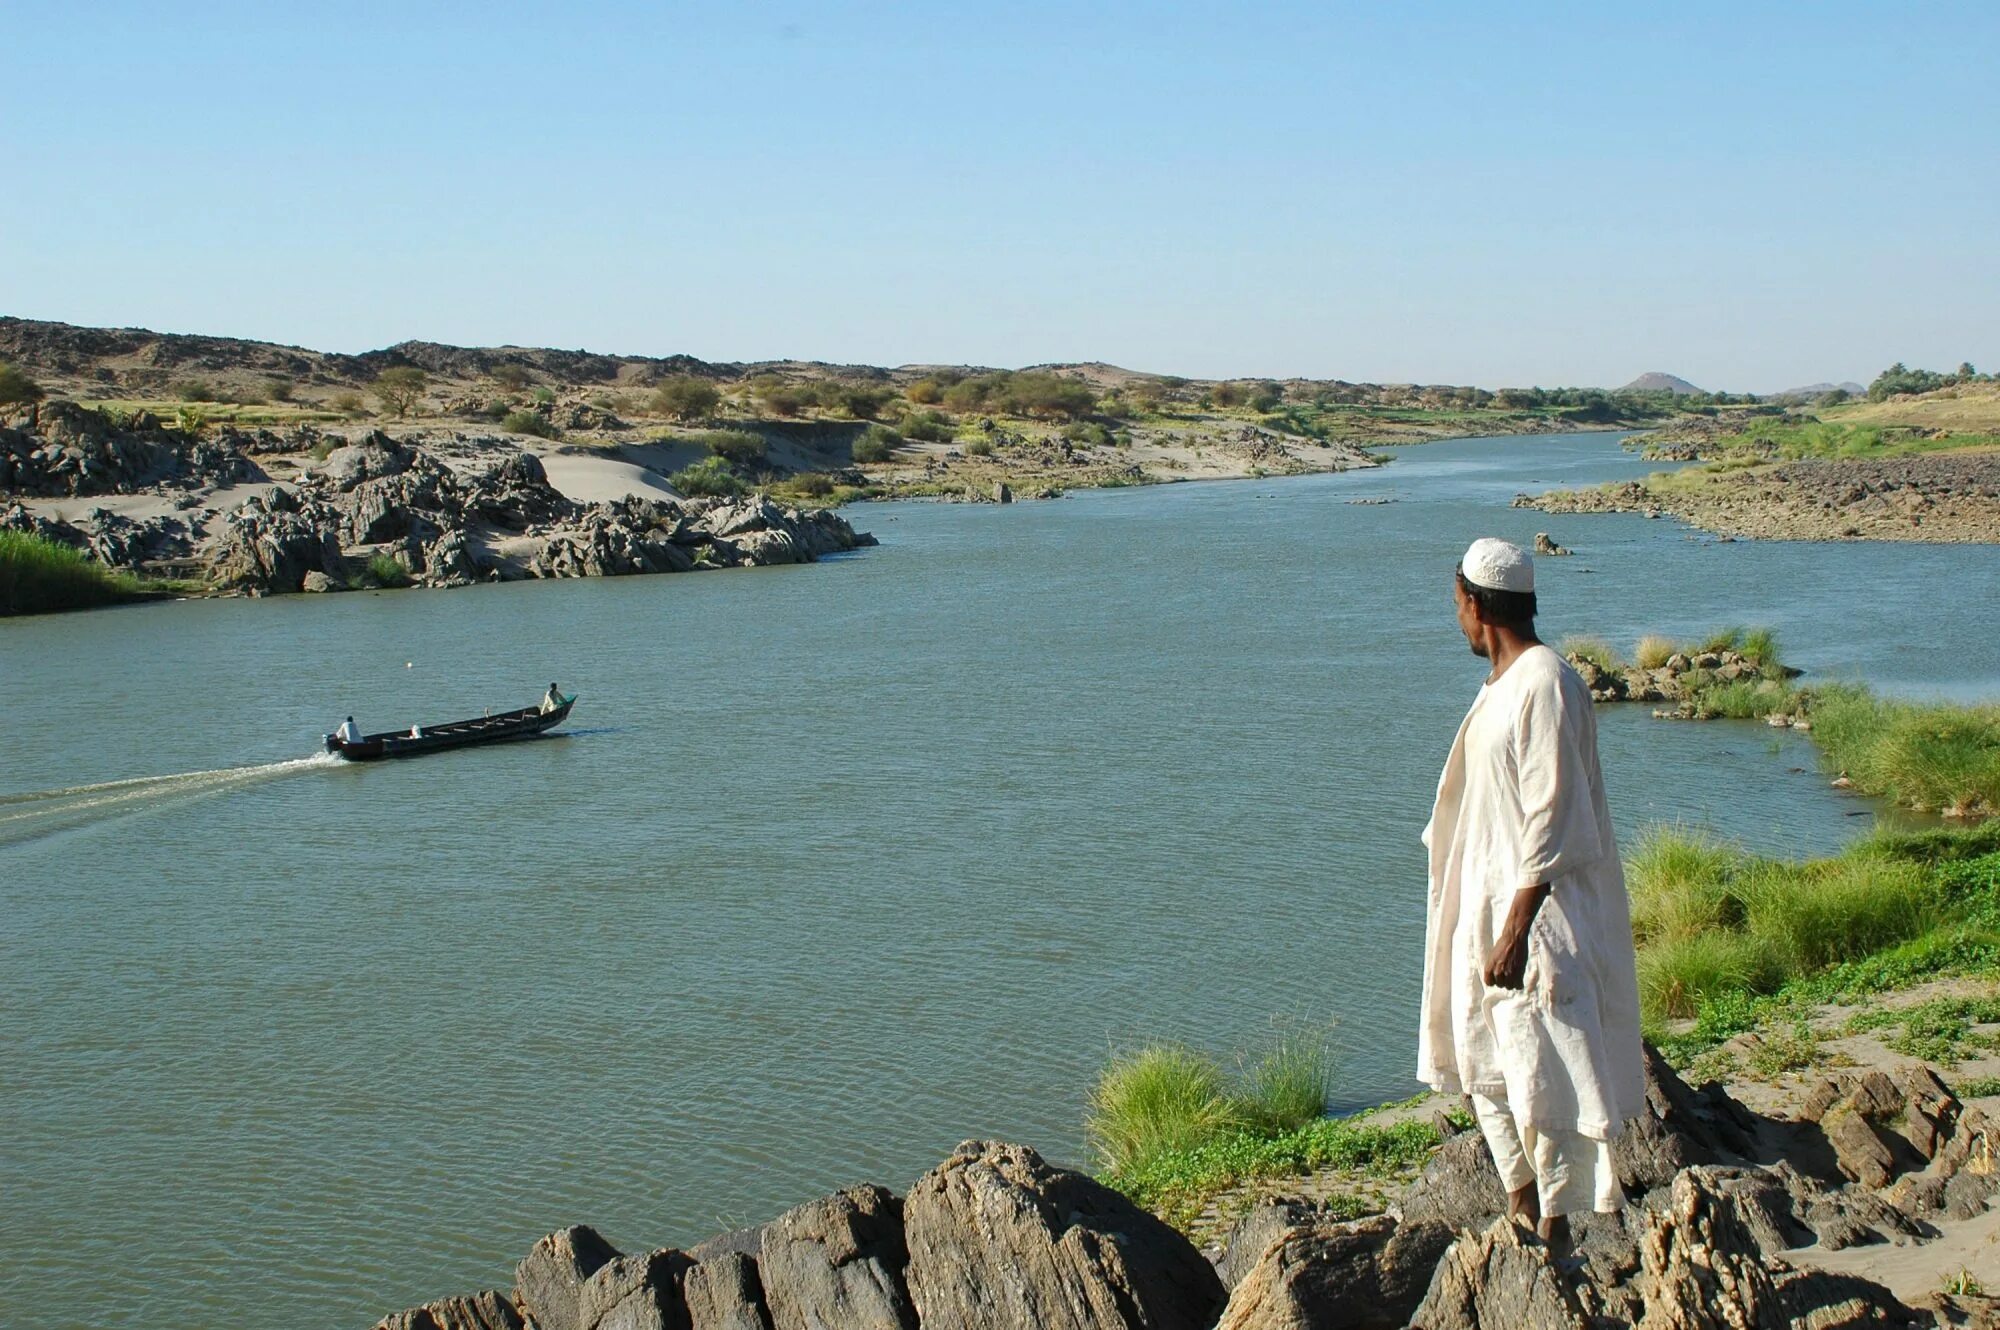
(1468, 618)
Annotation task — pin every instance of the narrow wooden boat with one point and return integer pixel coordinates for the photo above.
(522, 724)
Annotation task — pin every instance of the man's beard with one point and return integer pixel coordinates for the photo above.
(1478, 647)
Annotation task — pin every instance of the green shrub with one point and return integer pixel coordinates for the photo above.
(925, 392)
(778, 397)
(348, 403)
(1158, 1099)
(738, 447)
(511, 377)
(38, 576)
(979, 448)
(1723, 639)
(879, 444)
(194, 390)
(813, 484)
(926, 427)
(709, 478)
(16, 388)
(530, 422)
(277, 389)
(685, 397)
(1087, 432)
(543, 397)
(861, 401)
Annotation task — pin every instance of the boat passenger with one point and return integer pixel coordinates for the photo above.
(553, 700)
(350, 733)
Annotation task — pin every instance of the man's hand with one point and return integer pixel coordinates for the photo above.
(1507, 963)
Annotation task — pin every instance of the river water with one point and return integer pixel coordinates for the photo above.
(837, 866)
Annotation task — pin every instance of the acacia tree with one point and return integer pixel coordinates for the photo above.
(400, 388)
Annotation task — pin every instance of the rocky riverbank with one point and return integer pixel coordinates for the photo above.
(264, 512)
(1950, 497)
(1733, 1218)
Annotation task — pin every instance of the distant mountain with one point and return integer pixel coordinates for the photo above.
(1813, 391)
(1657, 382)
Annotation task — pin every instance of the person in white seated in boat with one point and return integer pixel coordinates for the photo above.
(553, 700)
(350, 733)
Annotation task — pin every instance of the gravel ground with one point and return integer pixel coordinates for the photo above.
(1938, 497)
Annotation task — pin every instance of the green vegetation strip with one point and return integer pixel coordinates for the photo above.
(1741, 943)
(38, 576)
(1933, 757)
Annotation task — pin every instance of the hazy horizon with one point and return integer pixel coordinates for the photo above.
(1750, 198)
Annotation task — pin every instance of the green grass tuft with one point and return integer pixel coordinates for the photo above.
(1593, 649)
(1159, 1100)
(38, 576)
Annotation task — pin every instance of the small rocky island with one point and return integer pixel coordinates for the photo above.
(1721, 1201)
(264, 512)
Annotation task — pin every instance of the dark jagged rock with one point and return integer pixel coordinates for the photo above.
(999, 1239)
(60, 449)
(1701, 1269)
(1367, 1275)
(838, 1261)
(548, 1285)
(481, 1311)
(1499, 1277)
(635, 1293)
(1459, 1188)
(726, 1293)
(1255, 1231)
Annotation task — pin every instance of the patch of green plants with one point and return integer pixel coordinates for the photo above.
(740, 448)
(531, 423)
(382, 570)
(979, 447)
(685, 397)
(1739, 942)
(1594, 650)
(927, 427)
(710, 478)
(39, 576)
(1930, 756)
(879, 444)
(1979, 1087)
(1940, 1030)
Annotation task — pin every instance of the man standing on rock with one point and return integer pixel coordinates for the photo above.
(1531, 996)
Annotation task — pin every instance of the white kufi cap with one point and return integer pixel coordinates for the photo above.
(1498, 565)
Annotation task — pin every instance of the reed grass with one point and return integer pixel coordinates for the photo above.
(1933, 757)
(39, 576)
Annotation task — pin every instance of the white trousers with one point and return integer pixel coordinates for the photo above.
(1571, 1172)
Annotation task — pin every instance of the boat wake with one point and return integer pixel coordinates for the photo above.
(36, 813)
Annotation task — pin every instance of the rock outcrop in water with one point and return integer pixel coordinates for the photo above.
(371, 511)
(995, 1238)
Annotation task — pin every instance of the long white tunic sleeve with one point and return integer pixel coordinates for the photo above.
(1521, 802)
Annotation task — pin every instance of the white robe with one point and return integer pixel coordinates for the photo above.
(1521, 801)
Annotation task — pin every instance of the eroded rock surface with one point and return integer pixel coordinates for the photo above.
(999, 1239)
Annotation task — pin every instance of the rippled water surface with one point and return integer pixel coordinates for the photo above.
(837, 865)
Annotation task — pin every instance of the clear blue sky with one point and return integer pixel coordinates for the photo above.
(1753, 196)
